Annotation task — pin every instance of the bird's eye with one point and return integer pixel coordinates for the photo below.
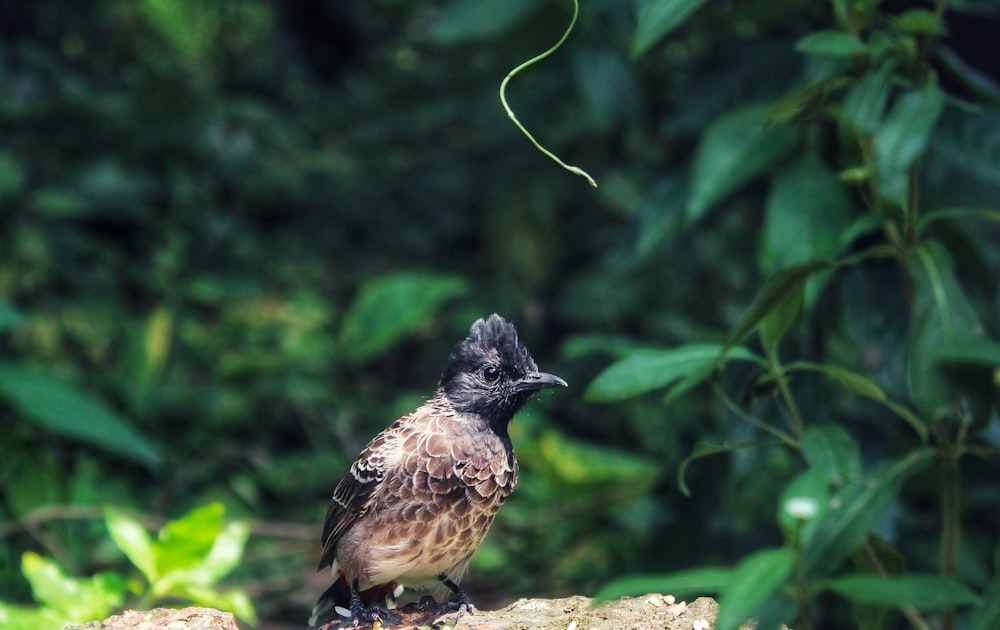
(491, 373)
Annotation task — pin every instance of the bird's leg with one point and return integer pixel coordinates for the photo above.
(459, 600)
(369, 614)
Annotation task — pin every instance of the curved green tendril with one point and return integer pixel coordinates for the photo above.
(510, 112)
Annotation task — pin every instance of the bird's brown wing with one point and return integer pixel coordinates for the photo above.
(353, 495)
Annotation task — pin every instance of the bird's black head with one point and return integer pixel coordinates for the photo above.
(491, 374)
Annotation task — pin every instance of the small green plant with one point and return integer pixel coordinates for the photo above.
(184, 562)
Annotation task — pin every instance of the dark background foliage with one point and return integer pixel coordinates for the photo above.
(253, 230)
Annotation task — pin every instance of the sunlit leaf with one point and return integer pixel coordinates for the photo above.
(754, 579)
(67, 412)
(922, 592)
(77, 599)
(133, 540)
(681, 583)
(656, 18)
(733, 150)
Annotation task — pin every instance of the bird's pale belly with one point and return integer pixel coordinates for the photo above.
(413, 547)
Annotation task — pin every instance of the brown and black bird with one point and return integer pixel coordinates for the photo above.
(419, 499)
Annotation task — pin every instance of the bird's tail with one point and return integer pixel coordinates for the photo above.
(335, 602)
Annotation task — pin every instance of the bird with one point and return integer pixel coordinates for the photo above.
(419, 499)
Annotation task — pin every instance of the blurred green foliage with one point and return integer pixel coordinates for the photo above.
(189, 556)
(239, 238)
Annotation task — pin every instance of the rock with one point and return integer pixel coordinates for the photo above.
(165, 619)
(648, 612)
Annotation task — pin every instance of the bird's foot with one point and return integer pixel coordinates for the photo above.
(459, 602)
(374, 616)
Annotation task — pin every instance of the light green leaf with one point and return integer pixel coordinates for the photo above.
(67, 412)
(656, 18)
(75, 599)
(855, 510)
(474, 21)
(923, 592)
(835, 44)
(691, 582)
(133, 540)
(754, 580)
(184, 543)
(643, 371)
(390, 307)
(18, 618)
(831, 450)
(735, 148)
(902, 138)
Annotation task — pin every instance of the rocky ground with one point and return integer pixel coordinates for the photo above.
(570, 613)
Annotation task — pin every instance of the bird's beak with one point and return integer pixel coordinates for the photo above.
(535, 381)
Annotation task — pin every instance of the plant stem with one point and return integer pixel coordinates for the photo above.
(951, 532)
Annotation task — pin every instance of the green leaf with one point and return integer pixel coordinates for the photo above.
(944, 318)
(919, 22)
(830, 450)
(67, 412)
(923, 592)
(75, 599)
(865, 103)
(778, 289)
(803, 102)
(656, 18)
(806, 212)
(12, 175)
(733, 150)
(980, 351)
(18, 618)
(987, 616)
(864, 386)
(836, 44)
(903, 137)
(682, 583)
(392, 306)
(645, 370)
(575, 463)
(9, 318)
(803, 505)
(876, 556)
(185, 542)
(474, 21)
(855, 510)
(753, 581)
(133, 540)
(781, 318)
